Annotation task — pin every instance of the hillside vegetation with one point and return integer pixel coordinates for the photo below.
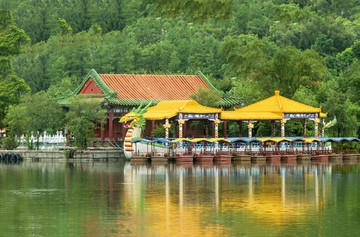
(307, 49)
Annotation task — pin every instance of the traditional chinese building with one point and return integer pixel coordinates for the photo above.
(119, 93)
(277, 109)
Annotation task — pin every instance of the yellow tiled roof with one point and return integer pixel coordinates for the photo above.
(168, 109)
(181, 140)
(279, 104)
(311, 140)
(270, 109)
(323, 115)
(219, 140)
(276, 140)
(235, 115)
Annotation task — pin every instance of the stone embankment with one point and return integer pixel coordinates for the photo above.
(69, 155)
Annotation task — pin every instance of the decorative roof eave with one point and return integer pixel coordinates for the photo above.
(246, 116)
(115, 101)
(229, 102)
(211, 86)
(99, 82)
(169, 109)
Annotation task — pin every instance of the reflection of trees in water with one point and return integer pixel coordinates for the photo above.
(274, 195)
(171, 199)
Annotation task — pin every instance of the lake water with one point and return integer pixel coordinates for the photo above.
(120, 199)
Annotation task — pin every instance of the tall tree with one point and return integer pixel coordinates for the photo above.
(34, 115)
(84, 117)
(11, 39)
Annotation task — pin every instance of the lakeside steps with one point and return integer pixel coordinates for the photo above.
(254, 150)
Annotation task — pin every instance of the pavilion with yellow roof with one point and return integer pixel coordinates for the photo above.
(182, 111)
(276, 108)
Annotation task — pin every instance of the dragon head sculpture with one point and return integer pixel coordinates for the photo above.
(135, 118)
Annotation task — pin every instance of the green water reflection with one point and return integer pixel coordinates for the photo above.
(117, 199)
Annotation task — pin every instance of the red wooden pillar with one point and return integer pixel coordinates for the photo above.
(111, 127)
(102, 132)
(225, 128)
(123, 129)
(152, 126)
(184, 129)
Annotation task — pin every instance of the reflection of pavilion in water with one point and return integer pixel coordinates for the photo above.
(176, 200)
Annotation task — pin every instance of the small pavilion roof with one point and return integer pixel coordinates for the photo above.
(200, 140)
(219, 140)
(236, 115)
(241, 139)
(169, 109)
(276, 140)
(339, 139)
(311, 140)
(181, 140)
(143, 140)
(271, 108)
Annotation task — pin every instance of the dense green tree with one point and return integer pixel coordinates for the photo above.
(323, 45)
(206, 97)
(11, 91)
(35, 114)
(249, 47)
(84, 117)
(195, 10)
(11, 38)
(292, 68)
(64, 27)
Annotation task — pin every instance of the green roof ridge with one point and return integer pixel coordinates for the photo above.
(129, 102)
(97, 79)
(212, 87)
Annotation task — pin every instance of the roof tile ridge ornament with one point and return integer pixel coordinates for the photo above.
(97, 79)
(211, 86)
(277, 94)
(113, 94)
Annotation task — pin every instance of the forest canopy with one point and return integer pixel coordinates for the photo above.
(309, 50)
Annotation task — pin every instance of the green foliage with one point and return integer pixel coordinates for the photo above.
(66, 153)
(324, 45)
(10, 142)
(95, 29)
(83, 118)
(195, 10)
(29, 142)
(206, 97)
(11, 91)
(305, 49)
(11, 37)
(345, 58)
(158, 131)
(233, 129)
(11, 87)
(63, 88)
(34, 115)
(14, 120)
(64, 27)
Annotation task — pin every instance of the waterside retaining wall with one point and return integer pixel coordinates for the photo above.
(59, 155)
